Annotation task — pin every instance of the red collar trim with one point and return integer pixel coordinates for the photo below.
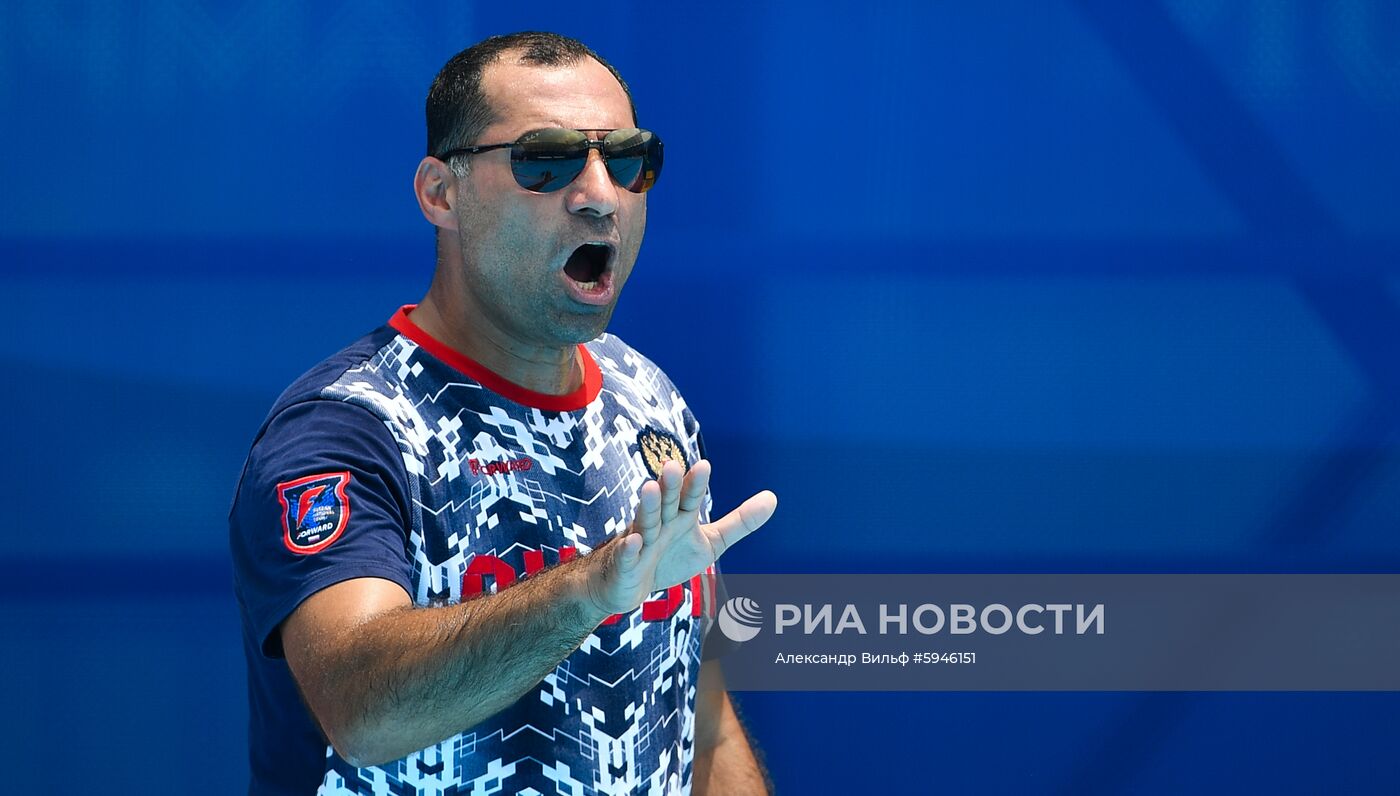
(578, 399)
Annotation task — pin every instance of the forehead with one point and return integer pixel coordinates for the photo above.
(582, 96)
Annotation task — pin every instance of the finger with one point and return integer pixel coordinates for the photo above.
(670, 490)
(696, 482)
(629, 552)
(648, 519)
(621, 560)
(749, 517)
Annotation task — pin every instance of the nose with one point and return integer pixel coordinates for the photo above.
(593, 192)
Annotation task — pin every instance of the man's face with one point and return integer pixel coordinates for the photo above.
(523, 265)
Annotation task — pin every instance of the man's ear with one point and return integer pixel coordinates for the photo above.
(436, 188)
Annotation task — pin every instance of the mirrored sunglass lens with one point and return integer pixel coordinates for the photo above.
(627, 172)
(547, 160)
(544, 176)
(634, 158)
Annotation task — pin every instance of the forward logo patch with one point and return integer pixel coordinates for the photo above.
(314, 511)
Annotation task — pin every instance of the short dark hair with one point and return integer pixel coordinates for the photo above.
(457, 108)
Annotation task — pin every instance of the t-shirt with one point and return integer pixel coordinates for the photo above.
(399, 458)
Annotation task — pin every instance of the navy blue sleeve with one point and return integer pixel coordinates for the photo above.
(323, 498)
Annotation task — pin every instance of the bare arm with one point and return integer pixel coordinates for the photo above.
(725, 762)
(385, 679)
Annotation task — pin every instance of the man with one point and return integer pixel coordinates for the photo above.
(468, 547)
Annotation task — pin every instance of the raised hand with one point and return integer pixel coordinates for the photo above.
(666, 543)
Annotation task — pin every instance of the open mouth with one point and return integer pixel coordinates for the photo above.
(588, 267)
(588, 273)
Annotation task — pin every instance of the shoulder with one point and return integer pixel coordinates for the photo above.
(648, 389)
(315, 441)
(619, 360)
(311, 428)
(350, 389)
(326, 374)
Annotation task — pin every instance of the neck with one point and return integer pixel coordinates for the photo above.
(552, 371)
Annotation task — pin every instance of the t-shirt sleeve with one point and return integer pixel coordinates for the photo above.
(323, 498)
(714, 644)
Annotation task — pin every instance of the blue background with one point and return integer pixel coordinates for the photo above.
(1067, 285)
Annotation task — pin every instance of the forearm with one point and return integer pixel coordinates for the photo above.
(728, 766)
(410, 678)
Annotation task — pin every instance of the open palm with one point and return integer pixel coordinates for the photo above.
(667, 544)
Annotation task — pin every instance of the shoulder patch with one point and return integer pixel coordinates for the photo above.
(315, 511)
(659, 446)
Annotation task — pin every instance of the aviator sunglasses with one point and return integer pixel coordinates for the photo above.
(549, 159)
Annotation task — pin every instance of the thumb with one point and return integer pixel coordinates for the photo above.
(749, 517)
(610, 585)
